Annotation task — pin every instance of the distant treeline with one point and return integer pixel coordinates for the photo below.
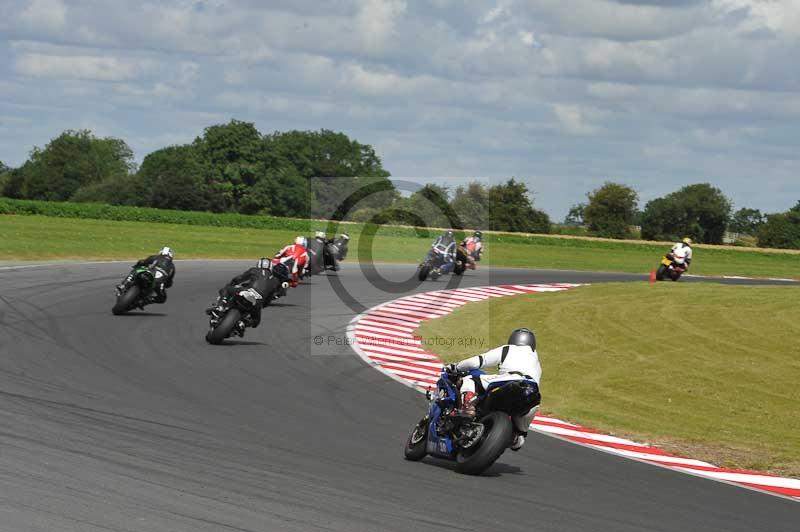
(234, 169)
(701, 212)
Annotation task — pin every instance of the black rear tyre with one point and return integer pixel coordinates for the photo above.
(224, 327)
(423, 272)
(496, 438)
(126, 301)
(417, 442)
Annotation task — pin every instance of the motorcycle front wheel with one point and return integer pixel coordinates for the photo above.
(126, 301)
(497, 434)
(417, 442)
(423, 272)
(224, 327)
(661, 272)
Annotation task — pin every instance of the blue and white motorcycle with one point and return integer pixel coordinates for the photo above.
(474, 443)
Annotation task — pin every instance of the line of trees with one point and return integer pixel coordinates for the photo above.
(230, 168)
(699, 211)
(234, 168)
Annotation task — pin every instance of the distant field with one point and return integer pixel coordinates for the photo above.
(35, 237)
(704, 370)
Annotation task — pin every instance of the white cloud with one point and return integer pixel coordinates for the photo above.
(47, 14)
(377, 22)
(384, 83)
(103, 68)
(572, 120)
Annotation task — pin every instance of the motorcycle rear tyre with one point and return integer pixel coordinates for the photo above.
(224, 328)
(497, 436)
(126, 301)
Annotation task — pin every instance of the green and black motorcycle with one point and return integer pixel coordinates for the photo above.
(136, 291)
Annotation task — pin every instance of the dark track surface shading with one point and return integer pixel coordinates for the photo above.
(134, 423)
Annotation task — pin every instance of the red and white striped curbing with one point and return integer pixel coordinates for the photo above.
(384, 337)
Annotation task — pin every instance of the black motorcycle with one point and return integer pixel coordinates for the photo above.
(330, 256)
(316, 261)
(431, 265)
(134, 293)
(340, 247)
(462, 261)
(235, 313)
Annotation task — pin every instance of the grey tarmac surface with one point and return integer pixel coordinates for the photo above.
(134, 423)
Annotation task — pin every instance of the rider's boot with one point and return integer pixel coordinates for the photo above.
(281, 290)
(518, 441)
(216, 306)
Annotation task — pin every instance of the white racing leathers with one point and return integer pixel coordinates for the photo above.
(682, 254)
(513, 363)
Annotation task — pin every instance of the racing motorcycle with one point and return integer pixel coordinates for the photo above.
(137, 289)
(464, 261)
(340, 246)
(330, 255)
(474, 443)
(430, 266)
(233, 315)
(672, 266)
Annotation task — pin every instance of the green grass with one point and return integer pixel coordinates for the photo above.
(709, 371)
(43, 237)
(47, 238)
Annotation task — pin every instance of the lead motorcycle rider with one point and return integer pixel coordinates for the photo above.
(516, 360)
(161, 261)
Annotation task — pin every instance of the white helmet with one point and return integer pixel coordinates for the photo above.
(300, 241)
(319, 234)
(264, 263)
(166, 251)
(345, 236)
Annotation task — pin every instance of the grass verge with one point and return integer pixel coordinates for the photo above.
(709, 371)
(44, 237)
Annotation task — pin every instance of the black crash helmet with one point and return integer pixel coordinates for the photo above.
(522, 337)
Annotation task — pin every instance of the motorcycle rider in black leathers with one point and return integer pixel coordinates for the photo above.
(256, 278)
(446, 244)
(162, 262)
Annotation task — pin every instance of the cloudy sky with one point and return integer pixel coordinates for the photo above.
(563, 94)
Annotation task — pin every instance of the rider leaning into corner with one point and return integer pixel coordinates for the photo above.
(162, 261)
(256, 278)
(474, 245)
(293, 258)
(517, 360)
(446, 245)
(682, 253)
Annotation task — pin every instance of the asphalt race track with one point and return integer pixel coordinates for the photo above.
(134, 423)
